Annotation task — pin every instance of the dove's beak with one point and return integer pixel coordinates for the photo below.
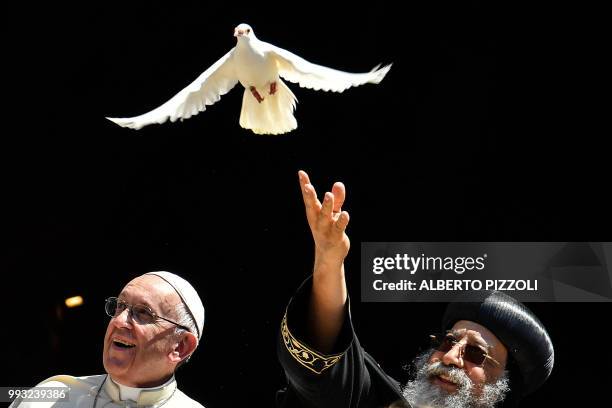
(238, 33)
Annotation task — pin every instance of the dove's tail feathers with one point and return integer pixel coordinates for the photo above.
(377, 73)
(273, 115)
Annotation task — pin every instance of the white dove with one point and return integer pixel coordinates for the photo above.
(267, 103)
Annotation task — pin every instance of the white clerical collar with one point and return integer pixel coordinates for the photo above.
(126, 393)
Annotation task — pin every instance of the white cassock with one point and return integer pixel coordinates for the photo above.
(100, 391)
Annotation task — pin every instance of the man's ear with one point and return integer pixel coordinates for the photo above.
(183, 347)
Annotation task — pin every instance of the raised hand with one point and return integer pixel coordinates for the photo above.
(327, 221)
(328, 224)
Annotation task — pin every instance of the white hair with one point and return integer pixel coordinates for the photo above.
(184, 318)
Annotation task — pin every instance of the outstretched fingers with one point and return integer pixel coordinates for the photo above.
(328, 215)
(311, 202)
(342, 222)
(327, 207)
(339, 192)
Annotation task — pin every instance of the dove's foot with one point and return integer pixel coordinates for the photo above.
(272, 88)
(256, 94)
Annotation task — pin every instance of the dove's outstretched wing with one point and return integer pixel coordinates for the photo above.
(308, 75)
(207, 89)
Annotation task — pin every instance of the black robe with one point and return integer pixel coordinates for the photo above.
(347, 378)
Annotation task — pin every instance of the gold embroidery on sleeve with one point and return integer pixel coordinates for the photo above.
(307, 357)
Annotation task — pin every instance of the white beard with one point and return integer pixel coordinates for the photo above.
(422, 393)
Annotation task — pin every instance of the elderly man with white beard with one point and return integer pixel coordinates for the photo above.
(490, 353)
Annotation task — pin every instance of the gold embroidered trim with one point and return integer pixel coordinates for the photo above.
(310, 359)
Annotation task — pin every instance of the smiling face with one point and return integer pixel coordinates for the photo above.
(144, 355)
(471, 333)
(466, 369)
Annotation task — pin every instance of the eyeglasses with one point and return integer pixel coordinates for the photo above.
(468, 352)
(140, 313)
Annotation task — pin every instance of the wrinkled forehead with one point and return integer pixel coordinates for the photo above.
(151, 291)
(476, 334)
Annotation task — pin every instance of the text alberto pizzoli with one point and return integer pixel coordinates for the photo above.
(459, 265)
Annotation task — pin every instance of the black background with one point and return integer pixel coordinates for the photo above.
(485, 129)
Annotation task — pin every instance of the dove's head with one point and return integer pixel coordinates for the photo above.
(244, 31)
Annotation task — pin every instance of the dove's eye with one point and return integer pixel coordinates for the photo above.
(248, 30)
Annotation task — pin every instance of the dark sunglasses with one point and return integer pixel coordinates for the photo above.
(140, 313)
(474, 354)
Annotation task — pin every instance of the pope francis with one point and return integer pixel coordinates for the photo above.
(156, 324)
